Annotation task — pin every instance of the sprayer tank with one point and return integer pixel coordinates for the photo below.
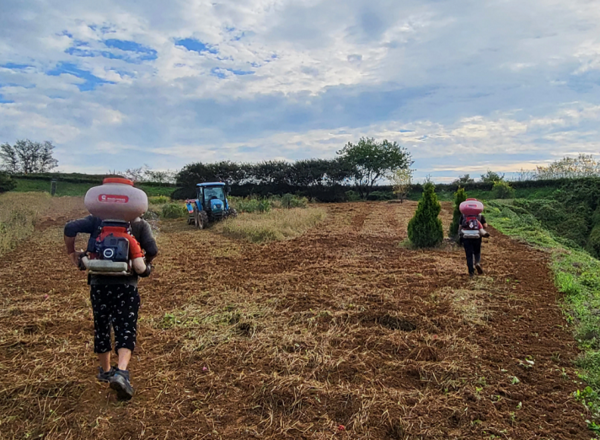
(471, 207)
(116, 199)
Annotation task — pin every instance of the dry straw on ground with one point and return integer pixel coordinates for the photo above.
(339, 333)
(278, 224)
(20, 213)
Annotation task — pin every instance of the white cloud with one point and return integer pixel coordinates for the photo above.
(453, 82)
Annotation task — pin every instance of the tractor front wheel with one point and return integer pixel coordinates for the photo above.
(232, 213)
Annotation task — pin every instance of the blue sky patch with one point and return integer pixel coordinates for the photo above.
(221, 73)
(91, 81)
(15, 66)
(104, 29)
(128, 51)
(195, 45)
(5, 101)
(146, 52)
(241, 72)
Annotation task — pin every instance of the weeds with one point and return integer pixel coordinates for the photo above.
(272, 226)
(158, 200)
(252, 204)
(174, 210)
(19, 214)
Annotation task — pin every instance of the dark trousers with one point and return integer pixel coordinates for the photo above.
(116, 306)
(473, 253)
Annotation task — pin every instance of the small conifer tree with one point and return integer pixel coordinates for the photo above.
(459, 196)
(425, 228)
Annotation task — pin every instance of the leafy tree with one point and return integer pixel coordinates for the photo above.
(503, 190)
(272, 172)
(459, 196)
(28, 157)
(6, 183)
(224, 171)
(373, 160)
(425, 228)
(526, 175)
(570, 168)
(339, 171)
(136, 174)
(463, 180)
(192, 174)
(491, 177)
(308, 172)
(401, 180)
(161, 176)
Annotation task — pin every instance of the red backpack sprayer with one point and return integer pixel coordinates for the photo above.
(471, 227)
(117, 252)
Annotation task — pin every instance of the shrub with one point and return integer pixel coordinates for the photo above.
(251, 205)
(569, 222)
(291, 201)
(593, 246)
(6, 183)
(174, 210)
(502, 190)
(184, 193)
(352, 196)
(425, 228)
(381, 195)
(158, 200)
(459, 197)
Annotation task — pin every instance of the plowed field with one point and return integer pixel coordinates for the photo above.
(340, 333)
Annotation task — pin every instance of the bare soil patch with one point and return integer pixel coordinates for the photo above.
(339, 333)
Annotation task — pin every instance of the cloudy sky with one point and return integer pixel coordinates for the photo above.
(464, 85)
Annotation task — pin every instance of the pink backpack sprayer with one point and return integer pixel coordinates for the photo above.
(472, 228)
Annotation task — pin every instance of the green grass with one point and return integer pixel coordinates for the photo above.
(79, 189)
(577, 276)
(520, 193)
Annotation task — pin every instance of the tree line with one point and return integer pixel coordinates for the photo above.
(361, 165)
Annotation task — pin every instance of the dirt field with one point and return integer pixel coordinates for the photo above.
(340, 333)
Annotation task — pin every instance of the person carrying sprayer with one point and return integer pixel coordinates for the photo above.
(120, 249)
(471, 230)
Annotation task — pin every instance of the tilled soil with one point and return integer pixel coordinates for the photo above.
(344, 332)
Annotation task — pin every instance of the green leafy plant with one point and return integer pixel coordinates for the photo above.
(251, 205)
(459, 197)
(291, 201)
(158, 200)
(425, 228)
(6, 183)
(371, 161)
(502, 190)
(174, 210)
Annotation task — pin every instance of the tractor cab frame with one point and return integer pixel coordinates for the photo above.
(210, 205)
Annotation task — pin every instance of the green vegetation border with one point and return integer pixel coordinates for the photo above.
(577, 276)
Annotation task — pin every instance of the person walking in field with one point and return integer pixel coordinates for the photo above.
(117, 247)
(471, 230)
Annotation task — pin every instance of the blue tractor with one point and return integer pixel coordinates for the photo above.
(210, 205)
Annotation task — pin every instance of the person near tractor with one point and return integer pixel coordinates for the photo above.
(113, 292)
(471, 230)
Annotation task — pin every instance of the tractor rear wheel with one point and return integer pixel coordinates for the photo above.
(204, 218)
(200, 219)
